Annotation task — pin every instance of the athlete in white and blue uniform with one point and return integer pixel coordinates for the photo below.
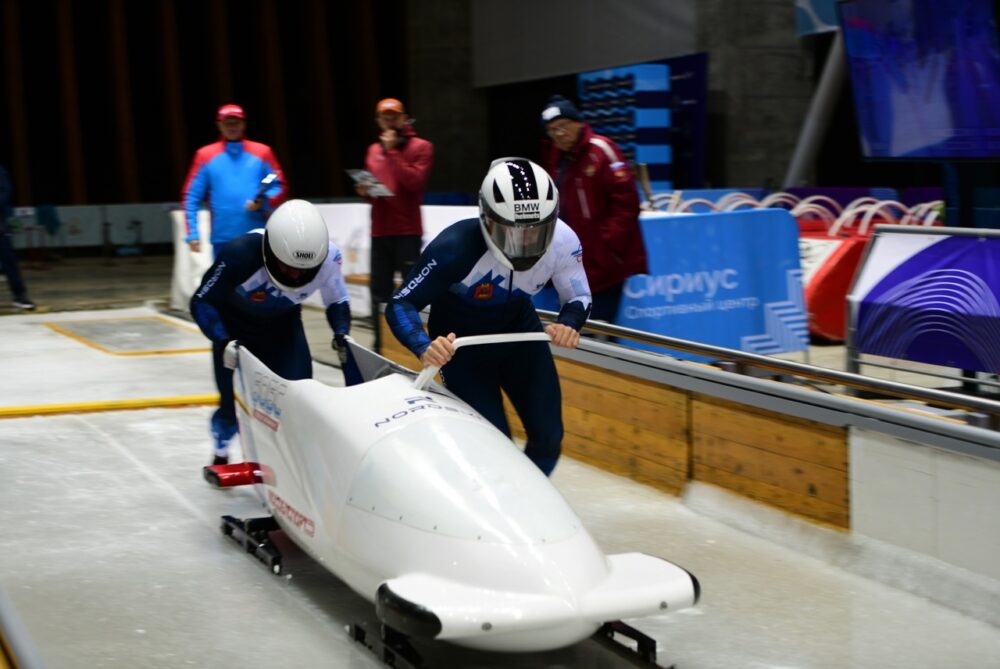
(254, 292)
(478, 277)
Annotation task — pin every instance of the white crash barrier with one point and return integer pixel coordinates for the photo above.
(927, 500)
(188, 265)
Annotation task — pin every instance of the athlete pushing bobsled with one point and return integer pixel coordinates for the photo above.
(253, 293)
(419, 503)
(478, 277)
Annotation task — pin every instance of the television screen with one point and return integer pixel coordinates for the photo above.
(925, 76)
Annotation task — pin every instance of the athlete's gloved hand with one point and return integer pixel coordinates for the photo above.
(229, 354)
(339, 344)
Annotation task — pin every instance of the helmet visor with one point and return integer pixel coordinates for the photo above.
(285, 275)
(521, 240)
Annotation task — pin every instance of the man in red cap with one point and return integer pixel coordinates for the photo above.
(233, 175)
(242, 183)
(401, 161)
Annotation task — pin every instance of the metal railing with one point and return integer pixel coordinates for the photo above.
(790, 371)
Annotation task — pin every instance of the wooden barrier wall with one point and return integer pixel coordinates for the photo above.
(625, 425)
(664, 437)
(791, 463)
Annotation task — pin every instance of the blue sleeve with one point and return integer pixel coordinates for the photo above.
(272, 193)
(338, 315)
(277, 192)
(429, 279)
(236, 262)
(193, 197)
(404, 321)
(573, 314)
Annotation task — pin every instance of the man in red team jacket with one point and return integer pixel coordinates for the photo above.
(598, 199)
(401, 161)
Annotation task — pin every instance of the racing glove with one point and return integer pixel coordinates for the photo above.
(229, 354)
(339, 344)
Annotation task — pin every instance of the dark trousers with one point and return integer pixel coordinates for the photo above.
(8, 261)
(606, 302)
(281, 345)
(527, 373)
(605, 308)
(388, 256)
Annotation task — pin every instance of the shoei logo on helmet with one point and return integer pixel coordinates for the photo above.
(305, 255)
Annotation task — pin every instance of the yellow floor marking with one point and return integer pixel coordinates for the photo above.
(107, 405)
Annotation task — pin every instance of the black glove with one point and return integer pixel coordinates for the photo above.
(339, 344)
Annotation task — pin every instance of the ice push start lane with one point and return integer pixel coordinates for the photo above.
(425, 509)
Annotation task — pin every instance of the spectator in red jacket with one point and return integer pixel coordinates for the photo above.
(401, 161)
(598, 199)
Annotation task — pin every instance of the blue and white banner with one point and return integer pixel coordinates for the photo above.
(631, 105)
(930, 297)
(727, 279)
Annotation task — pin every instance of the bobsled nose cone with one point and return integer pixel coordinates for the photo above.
(405, 616)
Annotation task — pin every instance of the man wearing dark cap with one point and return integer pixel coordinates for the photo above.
(231, 176)
(598, 198)
(402, 162)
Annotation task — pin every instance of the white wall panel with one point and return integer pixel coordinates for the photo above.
(925, 499)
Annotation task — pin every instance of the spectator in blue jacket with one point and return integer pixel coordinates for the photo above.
(233, 176)
(8, 261)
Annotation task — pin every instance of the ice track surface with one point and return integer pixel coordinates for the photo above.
(112, 555)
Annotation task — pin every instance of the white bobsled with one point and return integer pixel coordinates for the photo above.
(424, 508)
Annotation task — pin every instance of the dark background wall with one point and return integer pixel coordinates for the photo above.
(760, 78)
(106, 100)
(449, 111)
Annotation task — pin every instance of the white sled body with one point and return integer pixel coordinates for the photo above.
(423, 507)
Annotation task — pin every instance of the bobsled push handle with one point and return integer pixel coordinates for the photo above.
(427, 373)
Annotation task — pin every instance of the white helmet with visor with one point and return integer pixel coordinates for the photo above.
(296, 242)
(518, 206)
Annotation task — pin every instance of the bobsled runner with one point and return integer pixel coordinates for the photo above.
(421, 506)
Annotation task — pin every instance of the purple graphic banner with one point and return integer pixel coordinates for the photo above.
(931, 298)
